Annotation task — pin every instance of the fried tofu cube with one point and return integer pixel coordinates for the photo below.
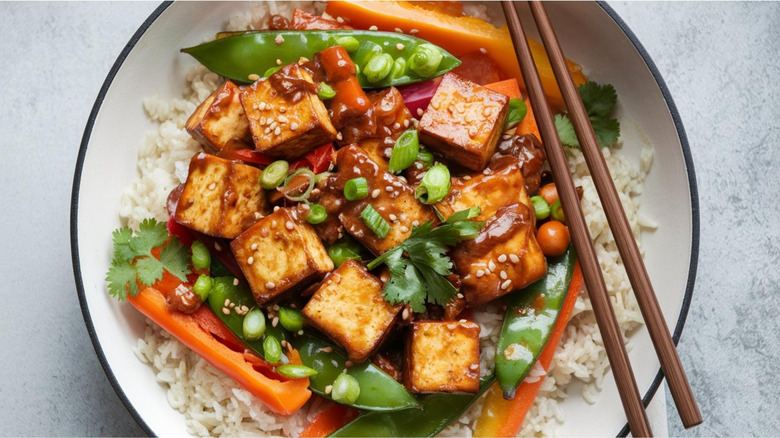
(350, 309)
(286, 125)
(442, 356)
(219, 122)
(504, 257)
(464, 121)
(221, 197)
(280, 253)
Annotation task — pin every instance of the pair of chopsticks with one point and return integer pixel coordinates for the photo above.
(629, 252)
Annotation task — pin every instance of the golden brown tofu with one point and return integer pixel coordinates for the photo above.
(220, 198)
(464, 121)
(390, 196)
(286, 117)
(219, 122)
(350, 309)
(280, 253)
(442, 356)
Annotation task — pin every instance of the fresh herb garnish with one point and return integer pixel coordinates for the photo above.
(134, 263)
(599, 101)
(418, 266)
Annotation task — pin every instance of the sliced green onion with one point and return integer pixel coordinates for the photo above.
(254, 325)
(405, 151)
(378, 67)
(271, 71)
(375, 222)
(556, 211)
(326, 92)
(201, 257)
(355, 189)
(515, 113)
(317, 214)
(541, 207)
(272, 349)
(435, 185)
(305, 195)
(274, 174)
(349, 43)
(203, 286)
(425, 157)
(425, 60)
(346, 389)
(290, 319)
(343, 250)
(320, 176)
(399, 68)
(296, 371)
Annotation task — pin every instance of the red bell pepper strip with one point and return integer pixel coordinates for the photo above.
(503, 418)
(330, 419)
(318, 160)
(283, 398)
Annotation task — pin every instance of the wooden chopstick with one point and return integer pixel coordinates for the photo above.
(629, 251)
(591, 271)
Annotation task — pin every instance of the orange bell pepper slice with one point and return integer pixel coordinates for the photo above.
(283, 398)
(503, 418)
(458, 35)
(330, 419)
(511, 88)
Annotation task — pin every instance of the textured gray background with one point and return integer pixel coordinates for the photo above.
(720, 61)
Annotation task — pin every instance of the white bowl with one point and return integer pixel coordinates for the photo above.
(150, 64)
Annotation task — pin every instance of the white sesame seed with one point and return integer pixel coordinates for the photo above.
(393, 217)
(262, 105)
(217, 246)
(278, 62)
(404, 229)
(466, 177)
(415, 223)
(328, 389)
(232, 305)
(279, 39)
(491, 266)
(273, 222)
(254, 246)
(267, 131)
(460, 295)
(300, 332)
(226, 303)
(413, 31)
(235, 282)
(275, 307)
(212, 186)
(483, 50)
(389, 189)
(396, 125)
(505, 285)
(502, 258)
(405, 313)
(277, 130)
(289, 225)
(514, 258)
(276, 208)
(375, 193)
(253, 77)
(419, 112)
(258, 215)
(293, 126)
(283, 109)
(226, 311)
(250, 260)
(474, 366)
(339, 136)
(339, 19)
(284, 343)
(406, 123)
(399, 30)
(399, 46)
(480, 273)
(270, 285)
(275, 321)
(373, 28)
(403, 216)
(503, 275)
(451, 326)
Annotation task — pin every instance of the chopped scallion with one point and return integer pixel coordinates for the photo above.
(541, 207)
(356, 189)
(326, 92)
(274, 174)
(317, 214)
(296, 371)
(425, 157)
(290, 319)
(305, 171)
(405, 151)
(254, 325)
(434, 186)
(375, 222)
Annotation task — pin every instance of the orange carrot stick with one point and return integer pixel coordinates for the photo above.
(328, 420)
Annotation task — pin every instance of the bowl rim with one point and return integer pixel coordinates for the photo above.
(687, 158)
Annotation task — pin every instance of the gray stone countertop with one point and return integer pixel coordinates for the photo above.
(719, 60)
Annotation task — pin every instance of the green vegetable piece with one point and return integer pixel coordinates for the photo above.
(346, 389)
(345, 249)
(201, 257)
(272, 70)
(378, 391)
(425, 157)
(436, 413)
(515, 114)
(240, 55)
(378, 68)
(599, 101)
(305, 195)
(349, 43)
(435, 185)
(291, 319)
(556, 211)
(254, 325)
(274, 174)
(203, 286)
(541, 207)
(356, 189)
(375, 222)
(326, 92)
(296, 371)
(405, 151)
(317, 214)
(526, 327)
(273, 350)
(425, 60)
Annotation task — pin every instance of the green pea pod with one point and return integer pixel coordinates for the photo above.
(530, 316)
(378, 391)
(252, 53)
(223, 290)
(437, 412)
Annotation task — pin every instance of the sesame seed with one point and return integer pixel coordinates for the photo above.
(466, 177)
(235, 282)
(300, 332)
(505, 285)
(502, 258)
(388, 189)
(328, 389)
(373, 28)
(419, 112)
(339, 19)
(451, 326)
(293, 126)
(415, 223)
(227, 302)
(396, 125)
(264, 232)
(283, 109)
(483, 50)
(276, 208)
(389, 140)
(253, 77)
(270, 285)
(474, 366)
(275, 307)
(406, 123)
(284, 343)
(404, 229)
(267, 131)
(277, 130)
(405, 313)
(413, 31)
(503, 275)
(278, 62)
(273, 222)
(217, 246)
(289, 225)
(375, 193)
(250, 260)
(226, 311)
(399, 30)
(212, 186)
(399, 46)
(232, 305)
(393, 217)
(460, 295)
(258, 215)
(262, 105)
(491, 266)
(486, 172)
(275, 321)
(480, 273)
(514, 258)
(279, 39)
(339, 136)
(254, 246)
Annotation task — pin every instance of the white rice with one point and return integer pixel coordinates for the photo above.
(214, 404)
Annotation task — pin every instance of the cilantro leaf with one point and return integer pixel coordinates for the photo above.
(150, 235)
(121, 279)
(404, 285)
(599, 100)
(121, 238)
(469, 213)
(607, 130)
(440, 290)
(149, 270)
(566, 131)
(175, 259)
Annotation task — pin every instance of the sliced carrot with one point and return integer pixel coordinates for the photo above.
(511, 88)
(328, 420)
(507, 87)
(503, 418)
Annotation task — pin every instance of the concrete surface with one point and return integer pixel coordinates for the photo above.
(718, 59)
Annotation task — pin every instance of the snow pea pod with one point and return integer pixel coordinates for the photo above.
(438, 411)
(530, 316)
(378, 391)
(253, 53)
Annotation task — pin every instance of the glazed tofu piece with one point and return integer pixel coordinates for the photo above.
(221, 197)
(219, 122)
(389, 195)
(280, 253)
(350, 309)
(464, 121)
(287, 121)
(442, 356)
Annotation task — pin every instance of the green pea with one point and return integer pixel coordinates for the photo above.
(541, 207)
(296, 371)
(425, 60)
(254, 325)
(203, 286)
(201, 257)
(290, 319)
(349, 43)
(346, 389)
(272, 349)
(378, 67)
